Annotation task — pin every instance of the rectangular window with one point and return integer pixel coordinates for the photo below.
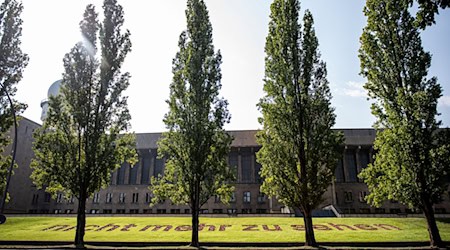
(216, 199)
(159, 166)
(246, 165)
(69, 211)
(339, 172)
(348, 196)
(145, 171)
(232, 211)
(121, 174)
(133, 174)
(44, 211)
(175, 211)
(233, 197)
(70, 199)
(135, 198)
(364, 210)
(147, 211)
(350, 159)
(59, 198)
(47, 197)
(187, 211)
(233, 161)
(120, 211)
(122, 198)
(261, 211)
(107, 211)
(380, 210)
(160, 211)
(109, 197)
(95, 211)
(364, 158)
(217, 211)
(35, 199)
(258, 178)
(204, 211)
(134, 211)
(57, 211)
(96, 198)
(247, 197)
(362, 196)
(261, 197)
(246, 210)
(148, 197)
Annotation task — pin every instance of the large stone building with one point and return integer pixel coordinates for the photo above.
(128, 191)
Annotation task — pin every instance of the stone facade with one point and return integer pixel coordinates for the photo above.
(128, 191)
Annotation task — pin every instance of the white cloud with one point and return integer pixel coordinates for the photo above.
(354, 89)
(444, 101)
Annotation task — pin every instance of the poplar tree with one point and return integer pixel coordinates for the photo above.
(196, 145)
(299, 150)
(82, 139)
(428, 9)
(12, 63)
(412, 163)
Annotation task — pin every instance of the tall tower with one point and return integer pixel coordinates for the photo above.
(52, 91)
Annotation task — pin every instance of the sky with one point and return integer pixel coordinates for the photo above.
(50, 30)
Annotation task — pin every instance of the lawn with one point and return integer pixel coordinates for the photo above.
(240, 229)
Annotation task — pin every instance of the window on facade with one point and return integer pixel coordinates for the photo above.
(364, 158)
(350, 160)
(57, 211)
(134, 211)
(69, 211)
(121, 174)
(96, 198)
(122, 198)
(45, 211)
(148, 197)
(135, 198)
(246, 165)
(261, 211)
(133, 174)
(217, 211)
(348, 196)
(71, 199)
(246, 210)
(47, 197)
(145, 171)
(35, 199)
(160, 211)
(204, 211)
(33, 211)
(258, 178)
(395, 210)
(362, 196)
(120, 211)
(339, 172)
(95, 211)
(233, 197)
(175, 211)
(379, 210)
(364, 210)
(109, 197)
(107, 211)
(232, 211)
(261, 197)
(233, 161)
(216, 199)
(59, 198)
(147, 211)
(247, 197)
(159, 166)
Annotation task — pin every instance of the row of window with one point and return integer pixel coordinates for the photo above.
(246, 198)
(150, 211)
(354, 160)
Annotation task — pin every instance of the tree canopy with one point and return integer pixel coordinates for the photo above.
(83, 139)
(411, 163)
(299, 150)
(196, 145)
(12, 64)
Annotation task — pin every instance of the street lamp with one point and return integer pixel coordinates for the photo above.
(8, 178)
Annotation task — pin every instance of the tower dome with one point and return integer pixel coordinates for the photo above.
(52, 91)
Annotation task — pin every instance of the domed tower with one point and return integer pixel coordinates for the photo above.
(52, 91)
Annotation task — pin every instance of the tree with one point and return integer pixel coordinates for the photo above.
(196, 144)
(12, 63)
(299, 150)
(80, 144)
(411, 164)
(428, 9)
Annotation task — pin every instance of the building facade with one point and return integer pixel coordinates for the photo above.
(128, 192)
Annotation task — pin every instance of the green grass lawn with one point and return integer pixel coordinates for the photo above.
(245, 229)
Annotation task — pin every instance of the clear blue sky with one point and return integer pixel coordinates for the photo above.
(50, 29)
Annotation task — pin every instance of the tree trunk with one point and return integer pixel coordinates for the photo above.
(81, 220)
(433, 231)
(310, 240)
(195, 212)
